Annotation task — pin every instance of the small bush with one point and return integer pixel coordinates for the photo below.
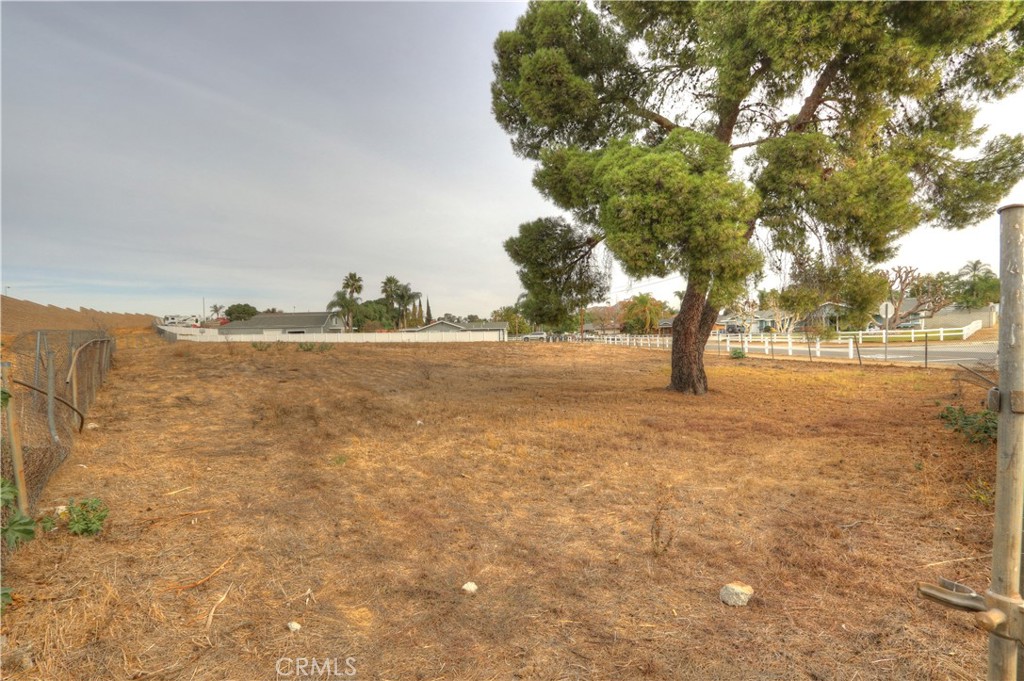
(262, 346)
(737, 353)
(19, 527)
(977, 427)
(324, 347)
(87, 516)
(307, 347)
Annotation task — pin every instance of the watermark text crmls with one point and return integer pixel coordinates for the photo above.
(316, 668)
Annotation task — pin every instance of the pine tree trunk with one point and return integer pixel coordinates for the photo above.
(690, 332)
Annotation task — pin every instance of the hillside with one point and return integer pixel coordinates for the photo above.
(21, 316)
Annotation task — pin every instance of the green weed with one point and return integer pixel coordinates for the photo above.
(87, 516)
(978, 427)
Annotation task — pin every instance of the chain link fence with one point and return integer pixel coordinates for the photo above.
(52, 378)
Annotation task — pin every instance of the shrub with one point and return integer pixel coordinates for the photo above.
(19, 527)
(261, 345)
(87, 516)
(977, 427)
(307, 347)
(737, 353)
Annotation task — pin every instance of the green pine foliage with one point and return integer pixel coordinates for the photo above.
(856, 120)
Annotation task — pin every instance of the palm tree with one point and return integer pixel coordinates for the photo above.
(389, 289)
(977, 285)
(216, 309)
(404, 297)
(343, 302)
(645, 311)
(352, 286)
(974, 270)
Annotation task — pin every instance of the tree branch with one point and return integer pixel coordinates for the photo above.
(652, 116)
(754, 143)
(817, 96)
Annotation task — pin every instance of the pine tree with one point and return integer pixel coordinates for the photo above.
(857, 120)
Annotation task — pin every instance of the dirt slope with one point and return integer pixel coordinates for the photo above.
(21, 316)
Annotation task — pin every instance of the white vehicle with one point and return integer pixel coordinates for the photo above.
(180, 320)
(536, 336)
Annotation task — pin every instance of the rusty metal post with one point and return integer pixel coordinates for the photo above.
(1009, 515)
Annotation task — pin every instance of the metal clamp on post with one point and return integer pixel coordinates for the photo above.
(994, 400)
(953, 595)
(1003, 617)
(999, 615)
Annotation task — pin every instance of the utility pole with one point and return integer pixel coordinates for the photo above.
(1000, 610)
(1005, 620)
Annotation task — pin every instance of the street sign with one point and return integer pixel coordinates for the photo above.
(886, 309)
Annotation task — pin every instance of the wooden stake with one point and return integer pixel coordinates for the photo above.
(17, 457)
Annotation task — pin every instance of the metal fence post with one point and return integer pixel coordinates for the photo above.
(35, 371)
(1001, 610)
(1009, 515)
(50, 394)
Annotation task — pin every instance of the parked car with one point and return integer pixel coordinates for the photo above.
(735, 328)
(911, 325)
(536, 336)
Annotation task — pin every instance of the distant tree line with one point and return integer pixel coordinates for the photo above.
(399, 307)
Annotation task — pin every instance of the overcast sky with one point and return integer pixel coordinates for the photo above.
(156, 154)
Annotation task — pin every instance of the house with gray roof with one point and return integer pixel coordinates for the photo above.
(463, 327)
(276, 323)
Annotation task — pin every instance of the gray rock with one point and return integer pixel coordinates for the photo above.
(736, 593)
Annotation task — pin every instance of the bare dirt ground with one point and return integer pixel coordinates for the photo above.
(354, 491)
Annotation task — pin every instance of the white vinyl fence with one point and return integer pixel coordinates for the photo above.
(212, 336)
(931, 346)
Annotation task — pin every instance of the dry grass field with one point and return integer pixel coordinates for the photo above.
(354, 491)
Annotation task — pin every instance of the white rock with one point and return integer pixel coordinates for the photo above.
(294, 626)
(736, 593)
(92, 426)
(469, 587)
(419, 423)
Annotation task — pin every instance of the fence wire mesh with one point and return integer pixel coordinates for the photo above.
(52, 377)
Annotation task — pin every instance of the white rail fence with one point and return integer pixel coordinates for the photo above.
(212, 336)
(775, 343)
(846, 343)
